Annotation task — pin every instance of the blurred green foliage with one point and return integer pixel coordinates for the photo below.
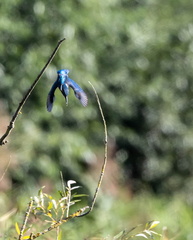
(139, 56)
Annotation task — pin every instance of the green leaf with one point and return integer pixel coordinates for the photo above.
(39, 209)
(50, 205)
(17, 228)
(75, 201)
(80, 195)
(26, 229)
(40, 193)
(152, 224)
(133, 228)
(60, 235)
(119, 235)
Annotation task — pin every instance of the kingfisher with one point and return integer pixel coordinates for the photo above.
(63, 82)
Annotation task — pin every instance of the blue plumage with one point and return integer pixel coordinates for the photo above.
(63, 82)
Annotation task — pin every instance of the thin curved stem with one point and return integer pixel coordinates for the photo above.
(105, 156)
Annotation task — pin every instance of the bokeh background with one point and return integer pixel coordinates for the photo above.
(139, 56)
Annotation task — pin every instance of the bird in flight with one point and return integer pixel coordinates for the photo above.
(63, 82)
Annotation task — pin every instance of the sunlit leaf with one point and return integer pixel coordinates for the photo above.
(152, 224)
(141, 235)
(49, 214)
(148, 232)
(54, 203)
(75, 187)
(26, 237)
(75, 201)
(49, 221)
(70, 182)
(36, 199)
(72, 203)
(155, 233)
(47, 196)
(62, 199)
(17, 228)
(50, 205)
(62, 204)
(40, 193)
(59, 235)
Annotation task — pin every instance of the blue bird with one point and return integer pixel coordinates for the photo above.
(63, 82)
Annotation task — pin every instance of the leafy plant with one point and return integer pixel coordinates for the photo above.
(146, 233)
(51, 211)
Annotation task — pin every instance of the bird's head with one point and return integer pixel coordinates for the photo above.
(63, 72)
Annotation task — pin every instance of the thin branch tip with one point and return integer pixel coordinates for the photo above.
(61, 40)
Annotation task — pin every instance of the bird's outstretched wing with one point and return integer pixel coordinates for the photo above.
(79, 93)
(51, 97)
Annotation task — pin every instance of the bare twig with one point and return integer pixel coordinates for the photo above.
(25, 219)
(105, 156)
(21, 104)
(5, 170)
(8, 215)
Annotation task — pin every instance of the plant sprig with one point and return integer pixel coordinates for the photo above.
(55, 212)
